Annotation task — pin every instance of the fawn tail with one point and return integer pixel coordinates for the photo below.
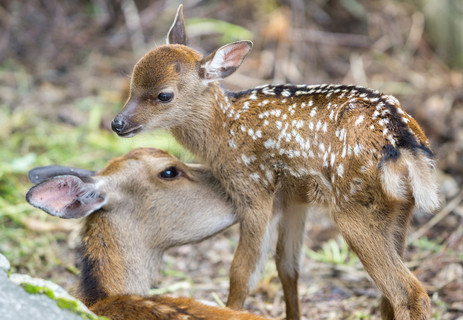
(412, 170)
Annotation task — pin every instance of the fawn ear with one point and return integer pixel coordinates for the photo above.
(225, 60)
(177, 34)
(40, 174)
(66, 197)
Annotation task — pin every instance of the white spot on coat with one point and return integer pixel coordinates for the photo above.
(269, 175)
(248, 160)
(313, 112)
(383, 121)
(340, 170)
(269, 144)
(253, 95)
(325, 127)
(254, 176)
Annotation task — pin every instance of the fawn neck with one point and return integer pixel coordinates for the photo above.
(207, 127)
(111, 266)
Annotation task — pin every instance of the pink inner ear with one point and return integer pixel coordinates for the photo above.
(235, 54)
(53, 196)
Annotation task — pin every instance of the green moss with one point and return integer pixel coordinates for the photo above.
(63, 303)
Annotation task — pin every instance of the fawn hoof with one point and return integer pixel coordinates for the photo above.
(418, 308)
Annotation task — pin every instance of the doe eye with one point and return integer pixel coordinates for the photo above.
(165, 96)
(169, 173)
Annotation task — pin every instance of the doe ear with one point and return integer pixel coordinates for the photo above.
(225, 60)
(40, 174)
(177, 33)
(66, 197)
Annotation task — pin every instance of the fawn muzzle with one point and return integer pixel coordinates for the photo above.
(125, 128)
(117, 125)
(124, 123)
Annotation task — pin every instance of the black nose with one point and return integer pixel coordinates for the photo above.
(117, 125)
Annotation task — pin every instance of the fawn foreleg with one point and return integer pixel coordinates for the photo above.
(288, 254)
(257, 226)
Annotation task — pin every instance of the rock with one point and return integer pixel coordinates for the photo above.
(24, 297)
(17, 304)
(4, 263)
(58, 292)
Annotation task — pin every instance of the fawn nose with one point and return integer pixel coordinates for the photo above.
(117, 125)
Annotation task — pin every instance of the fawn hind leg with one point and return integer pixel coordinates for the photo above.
(399, 232)
(377, 236)
(288, 254)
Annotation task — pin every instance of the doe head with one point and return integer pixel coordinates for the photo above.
(170, 83)
(150, 197)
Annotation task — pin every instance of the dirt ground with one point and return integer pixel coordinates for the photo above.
(72, 50)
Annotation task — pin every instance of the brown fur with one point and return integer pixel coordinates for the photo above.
(352, 149)
(143, 215)
(123, 244)
(164, 308)
(103, 264)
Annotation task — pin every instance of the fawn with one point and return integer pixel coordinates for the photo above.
(277, 149)
(138, 206)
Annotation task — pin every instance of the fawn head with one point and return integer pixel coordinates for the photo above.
(170, 81)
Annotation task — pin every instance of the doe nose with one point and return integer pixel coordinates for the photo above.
(117, 125)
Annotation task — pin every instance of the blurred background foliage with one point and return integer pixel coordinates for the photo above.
(64, 73)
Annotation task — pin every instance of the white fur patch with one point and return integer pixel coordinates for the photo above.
(292, 231)
(424, 186)
(269, 233)
(248, 160)
(393, 183)
(340, 170)
(421, 178)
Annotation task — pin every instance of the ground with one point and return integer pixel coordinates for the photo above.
(64, 71)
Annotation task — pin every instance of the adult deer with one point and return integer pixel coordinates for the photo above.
(137, 207)
(277, 149)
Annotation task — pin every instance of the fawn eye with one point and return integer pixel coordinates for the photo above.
(169, 173)
(165, 96)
